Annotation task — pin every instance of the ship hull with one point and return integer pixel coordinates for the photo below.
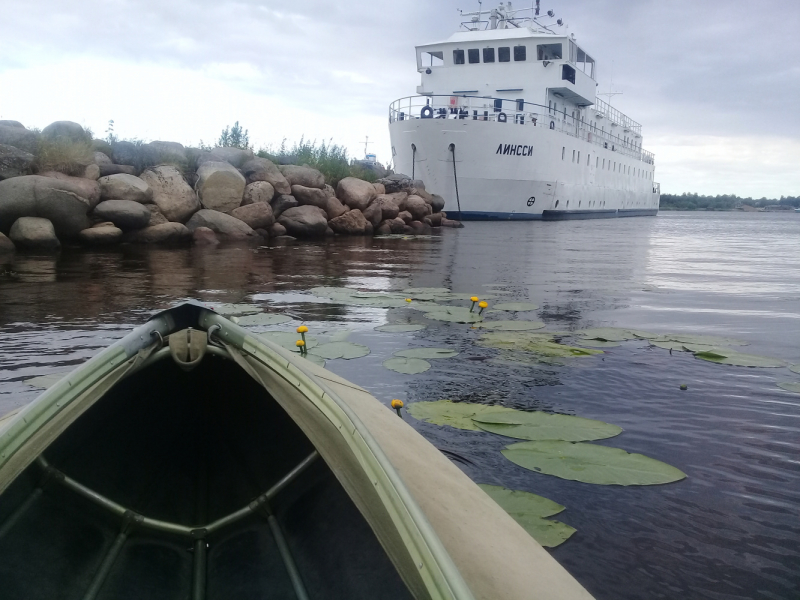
(509, 171)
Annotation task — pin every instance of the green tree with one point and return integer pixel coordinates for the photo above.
(235, 137)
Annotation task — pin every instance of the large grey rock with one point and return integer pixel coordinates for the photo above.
(45, 197)
(204, 236)
(65, 130)
(334, 207)
(406, 217)
(102, 159)
(373, 213)
(416, 206)
(85, 188)
(125, 214)
(355, 193)
(389, 208)
(10, 123)
(257, 215)
(310, 195)
(305, 176)
(329, 191)
(304, 221)
(34, 233)
(100, 236)
(422, 193)
(282, 203)
(258, 191)
(166, 233)
(19, 137)
(168, 151)
(262, 169)
(125, 187)
(437, 203)
(92, 172)
(384, 228)
(126, 153)
(220, 223)
(233, 156)
(156, 216)
(352, 222)
(435, 219)
(14, 162)
(106, 170)
(175, 199)
(276, 230)
(397, 225)
(219, 186)
(6, 245)
(379, 188)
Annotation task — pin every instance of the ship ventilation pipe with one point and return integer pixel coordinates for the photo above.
(455, 178)
(413, 159)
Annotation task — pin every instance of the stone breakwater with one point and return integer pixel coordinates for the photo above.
(227, 193)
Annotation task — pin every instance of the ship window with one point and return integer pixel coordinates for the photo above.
(504, 54)
(547, 51)
(567, 73)
(474, 56)
(596, 162)
(437, 58)
(573, 156)
(520, 53)
(488, 55)
(458, 57)
(520, 104)
(588, 158)
(563, 150)
(579, 157)
(498, 104)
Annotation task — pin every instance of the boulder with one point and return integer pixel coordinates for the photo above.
(304, 221)
(420, 228)
(379, 188)
(126, 153)
(18, 137)
(334, 207)
(405, 216)
(389, 208)
(65, 130)
(204, 235)
(100, 236)
(383, 229)
(125, 187)
(329, 231)
(220, 223)
(397, 225)
(309, 195)
(276, 230)
(36, 196)
(305, 176)
(329, 191)
(14, 162)
(435, 219)
(104, 147)
(373, 213)
(258, 191)
(102, 224)
(257, 215)
(395, 183)
(91, 172)
(233, 156)
(6, 245)
(10, 123)
(173, 196)
(421, 193)
(437, 203)
(415, 206)
(220, 186)
(34, 233)
(398, 197)
(353, 222)
(106, 170)
(101, 159)
(165, 233)
(282, 203)
(355, 193)
(452, 223)
(262, 169)
(85, 188)
(167, 151)
(125, 214)
(156, 216)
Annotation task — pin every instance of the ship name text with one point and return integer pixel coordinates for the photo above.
(515, 150)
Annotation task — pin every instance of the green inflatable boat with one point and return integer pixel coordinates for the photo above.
(193, 460)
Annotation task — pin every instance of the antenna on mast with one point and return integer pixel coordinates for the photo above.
(366, 143)
(536, 13)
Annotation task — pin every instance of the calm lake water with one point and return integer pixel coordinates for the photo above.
(731, 530)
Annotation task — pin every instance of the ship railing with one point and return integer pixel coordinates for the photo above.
(526, 114)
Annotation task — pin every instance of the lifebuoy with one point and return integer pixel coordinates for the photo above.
(426, 112)
(501, 118)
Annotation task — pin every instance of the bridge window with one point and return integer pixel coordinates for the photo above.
(567, 73)
(504, 54)
(547, 51)
(520, 53)
(437, 58)
(520, 104)
(474, 56)
(458, 57)
(488, 55)
(498, 104)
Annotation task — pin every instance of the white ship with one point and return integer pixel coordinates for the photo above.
(506, 124)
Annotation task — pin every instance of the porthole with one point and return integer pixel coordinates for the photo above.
(557, 201)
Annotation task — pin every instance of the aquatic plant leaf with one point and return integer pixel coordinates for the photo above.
(455, 414)
(516, 306)
(264, 319)
(427, 353)
(539, 344)
(591, 463)
(544, 426)
(680, 346)
(511, 325)
(729, 357)
(340, 336)
(288, 339)
(529, 511)
(599, 344)
(608, 334)
(407, 366)
(452, 297)
(346, 350)
(400, 328)
(795, 368)
(226, 309)
(789, 386)
(46, 381)
(426, 290)
(453, 314)
(317, 360)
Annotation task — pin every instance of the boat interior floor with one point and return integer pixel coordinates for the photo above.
(174, 486)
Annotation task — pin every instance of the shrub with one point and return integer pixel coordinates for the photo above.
(234, 137)
(63, 155)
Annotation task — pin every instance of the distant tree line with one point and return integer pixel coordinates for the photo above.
(721, 202)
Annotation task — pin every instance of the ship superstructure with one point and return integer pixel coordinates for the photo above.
(506, 124)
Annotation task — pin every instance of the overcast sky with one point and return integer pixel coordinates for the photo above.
(715, 84)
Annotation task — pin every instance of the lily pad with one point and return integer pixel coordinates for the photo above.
(681, 347)
(346, 350)
(288, 339)
(729, 357)
(516, 306)
(511, 325)
(233, 309)
(691, 339)
(790, 386)
(539, 344)
(610, 334)
(407, 366)
(455, 414)
(427, 353)
(543, 426)
(453, 314)
(264, 319)
(599, 344)
(591, 463)
(399, 328)
(529, 511)
(426, 290)
(452, 297)
(46, 381)
(317, 360)
(795, 368)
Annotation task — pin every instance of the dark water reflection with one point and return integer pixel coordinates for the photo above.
(731, 530)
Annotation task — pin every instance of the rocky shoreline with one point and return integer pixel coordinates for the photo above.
(162, 192)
